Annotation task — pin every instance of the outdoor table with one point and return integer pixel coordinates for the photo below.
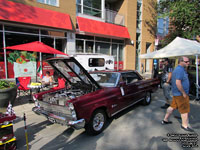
(35, 85)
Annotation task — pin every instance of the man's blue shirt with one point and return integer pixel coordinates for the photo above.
(180, 74)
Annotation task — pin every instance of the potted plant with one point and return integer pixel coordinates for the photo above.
(8, 93)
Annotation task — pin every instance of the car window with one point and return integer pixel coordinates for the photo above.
(107, 79)
(130, 77)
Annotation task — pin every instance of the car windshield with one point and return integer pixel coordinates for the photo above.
(106, 79)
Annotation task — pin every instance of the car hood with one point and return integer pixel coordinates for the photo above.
(74, 73)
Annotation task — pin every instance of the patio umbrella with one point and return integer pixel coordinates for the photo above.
(36, 47)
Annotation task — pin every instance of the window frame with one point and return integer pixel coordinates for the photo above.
(127, 75)
(48, 2)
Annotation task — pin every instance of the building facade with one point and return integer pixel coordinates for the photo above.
(122, 28)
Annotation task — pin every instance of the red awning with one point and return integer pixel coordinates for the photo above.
(17, 12)
(102, 28)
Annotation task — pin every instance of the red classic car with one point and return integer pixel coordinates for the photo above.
(88, 99)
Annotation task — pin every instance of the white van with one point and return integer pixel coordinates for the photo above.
(93, 62)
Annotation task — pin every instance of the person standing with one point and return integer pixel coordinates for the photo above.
(166, 79)
(180, 91)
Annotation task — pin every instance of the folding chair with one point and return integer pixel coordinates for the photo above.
(61, 84)
(22, 84)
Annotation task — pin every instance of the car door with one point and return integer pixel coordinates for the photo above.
(131, 89)
(116, 100)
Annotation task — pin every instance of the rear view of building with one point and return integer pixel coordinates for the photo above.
(120, 28)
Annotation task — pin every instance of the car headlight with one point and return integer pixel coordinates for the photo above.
(71, 108)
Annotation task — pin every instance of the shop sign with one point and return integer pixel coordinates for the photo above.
(22, 63)
(25, 69)
(119, 65)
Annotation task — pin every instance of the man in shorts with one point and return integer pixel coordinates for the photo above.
(180, 91)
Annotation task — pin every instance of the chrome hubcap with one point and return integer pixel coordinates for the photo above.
(98, 122)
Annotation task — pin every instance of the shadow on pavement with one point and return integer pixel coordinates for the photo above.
(82, 141)
(33, 130)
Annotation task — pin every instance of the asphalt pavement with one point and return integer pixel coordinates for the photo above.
(136, 128)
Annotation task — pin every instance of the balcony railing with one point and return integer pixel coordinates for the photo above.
(110, 16)
(114, 17)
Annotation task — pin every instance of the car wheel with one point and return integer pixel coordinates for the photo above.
(97, 122)
(147, 99)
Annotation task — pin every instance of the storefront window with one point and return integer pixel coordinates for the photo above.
(61, 44)
(118, 41)
(121, 54)
(102, 39)
(48, 41)
(21, 29)
(103, 48)
(79, 36)
(79, 46)
(89, 46)
(101, 45)
(114, 51)
(15, 35)
(15, 39)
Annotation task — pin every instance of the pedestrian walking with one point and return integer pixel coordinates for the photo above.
(166, 79)
(180, 91)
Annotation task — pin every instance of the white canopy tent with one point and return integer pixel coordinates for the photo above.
(178, 47)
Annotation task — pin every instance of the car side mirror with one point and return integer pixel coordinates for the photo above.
(122, 84)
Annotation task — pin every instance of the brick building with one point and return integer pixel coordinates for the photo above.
(123, 28)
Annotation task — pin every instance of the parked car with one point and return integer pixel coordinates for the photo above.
(192, 77)
(89, 99)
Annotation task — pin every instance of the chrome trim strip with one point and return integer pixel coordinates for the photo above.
(126, 107)
(76, 124)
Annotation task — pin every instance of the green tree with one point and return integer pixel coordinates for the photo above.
(184, 16)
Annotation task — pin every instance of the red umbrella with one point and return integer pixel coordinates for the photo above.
(36, 47)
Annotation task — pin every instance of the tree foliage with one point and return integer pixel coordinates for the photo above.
(184, 16)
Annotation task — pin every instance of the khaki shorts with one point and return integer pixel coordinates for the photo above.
(181, 103)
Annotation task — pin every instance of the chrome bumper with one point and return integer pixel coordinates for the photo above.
(76, 124)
